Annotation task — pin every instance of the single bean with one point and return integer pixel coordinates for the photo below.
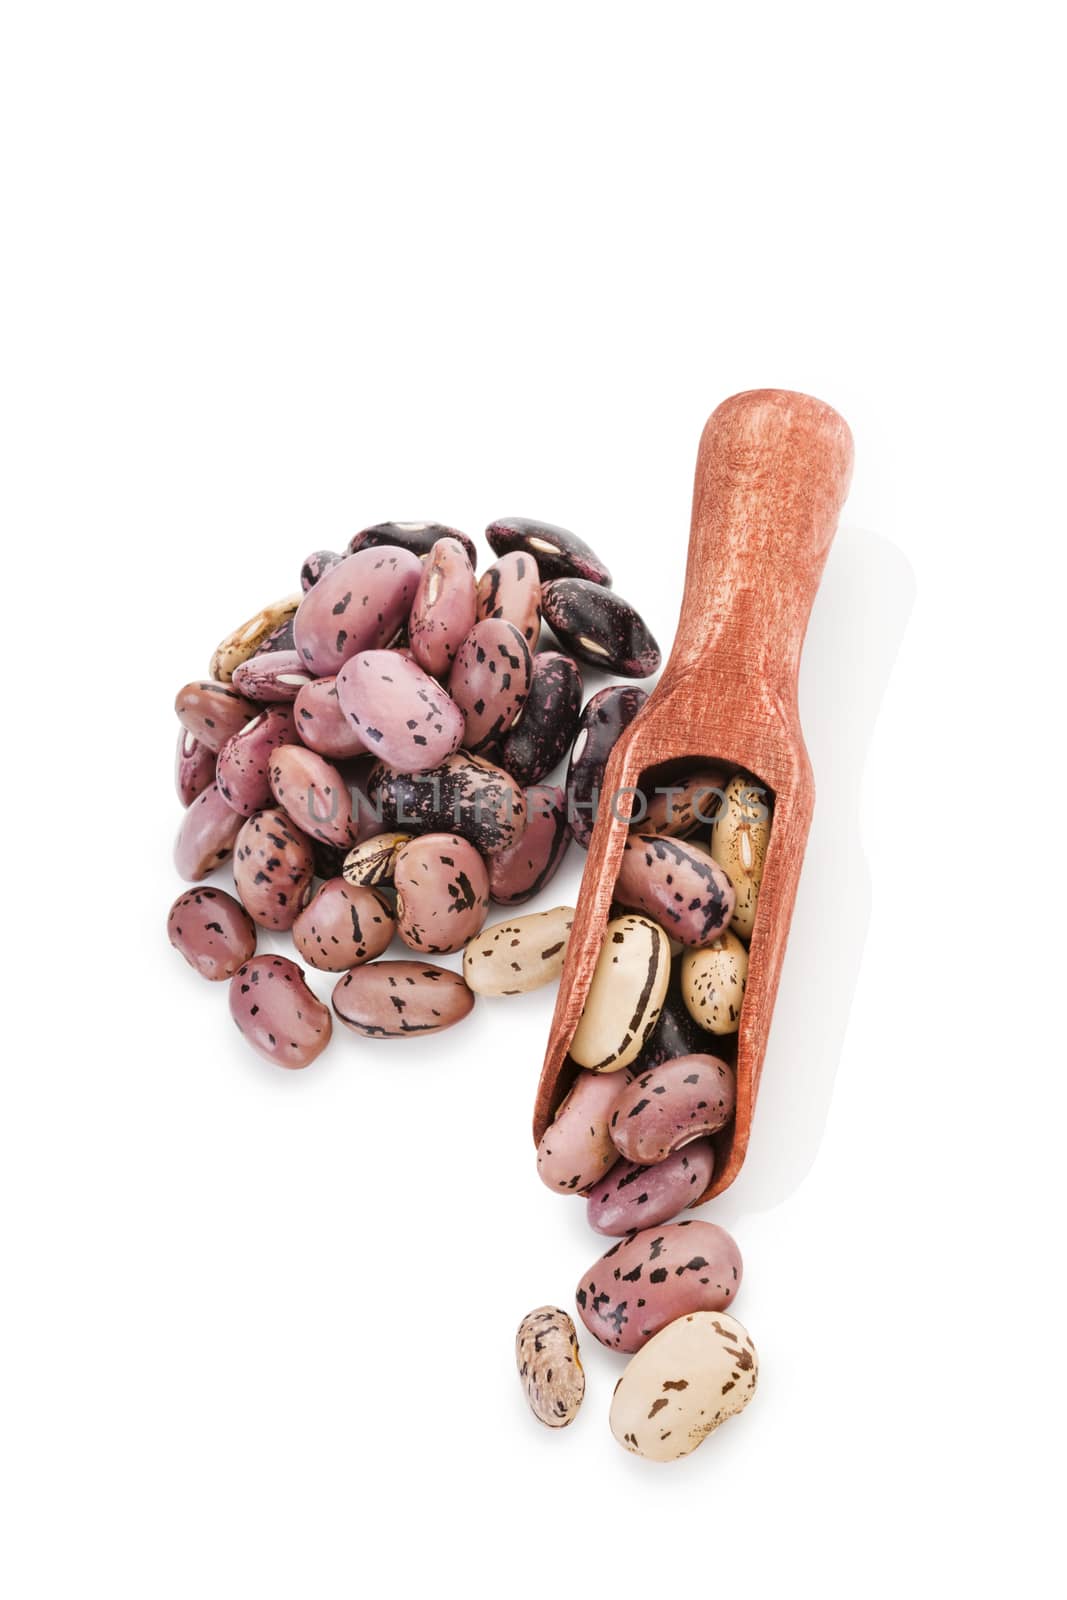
(194, 767)
(373, 860)
(544, 732)
(273, 675)
(598, 626)
(360, 604)
(489, 682)
(212, 932)
(316, 566)
(546, 1354)
(211, 712)
(343, 926)
(442, 892)
(672, 1104)
(418, 537)
(739, 842)
(207, 835)
(250, 637)
(675, 1033)
(605, 716)
(525, 867)
(511, 589)
(281, 639)
(677, 885)
(634, 1196)
(400, 999)
(272, 868)
(625, 995)
(313, 794)
(521, 955)
(398, 710)
(652, 1277)
(465, 795)
(575, 1149)
(445, 607)
(277, 1012)
(558, 552)
(321, 723)
(686, 1381)
(244, 760)
(682, 808)
(713, 983)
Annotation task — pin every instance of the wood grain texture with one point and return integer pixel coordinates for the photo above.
(772, 474)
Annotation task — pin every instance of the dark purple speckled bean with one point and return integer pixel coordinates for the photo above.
(313, 794)
(207, 835)
(678, 885)
(524, 868)
(277, 1012)
(544, 733)
(489, 681)
(316, 565)
(194, 767)
(273, 866)
(602, 721)
(361, 604)
(511, 588)
(558, 552)
(597, 626)
(667, 1106)
(399, 711)
(465, 795)
(444, 609)
(244, 760)
(401, 999)
(283, 638)
(654, 1277)
(212, 932)
(279, 675)
(343, 926)
(676, 1033)
(212, 711)
(633, 1196)
(442, 893)
(418, 537)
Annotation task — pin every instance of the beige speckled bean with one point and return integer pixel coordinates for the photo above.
(713, 983)
(521, 955)
(374, 860)
(245, 641)
(546, 1354)
(691, 1377)
(626, 995)
(739, 844)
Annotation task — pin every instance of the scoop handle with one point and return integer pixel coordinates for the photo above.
(772, 473)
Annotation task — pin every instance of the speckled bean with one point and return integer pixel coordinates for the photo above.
(249, 638)
(675, 1033)
(211, 712)
(400, 712)
(273, 866)
(489, 681)
(686, 1381)
(466, 795)
(511, 589)
(519, 956)
(602, 722)
(678, 885)
(524, 868)
(373, 860)
(316, 566)
(212, 932)
(442, 893)
(652, 1277)
(244, 760)
(312, 793)
(713, 983)
(634, 1196)
(544, 732)
(273, 675)
(672, 1104)
(281, 639)
(342, 926)
(418, 537)
(207, 835)
(445, 607)
(321, 723)
(546, 1354)
(627, 990)
(401, 999)
(678, 807)
(277, 1012)
(739, 844)
(558, 552)
(194, 767)
(360, 604)
(575, 1149)
(598, 626)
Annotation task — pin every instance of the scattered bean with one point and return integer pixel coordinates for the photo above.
(244, 760)
(625, 995)
(211, 712)
(519, 956)
(277, 1012)
(597, 626)
(602, 722)
(546, 1354)
(672, 1104)
(558, 552)
(543, 734)
(511, 589)
(322, 725)
(739, 844)
(713, 983)
(676, 884)
(250, 637)
(194, 767)
(342, 926)
(489, 682)
(445, 607)
(417, 537)
(360, 604)
(525, 867)
(312, 793)
(399, 999)
(207, 835)
(690, 1378)
(576, 1148)
(316, 566)
(273, 675)
(373, 860)
(652, 1277)
(634, 1196)
(212, 932)
(273, 867)
(465, 795)
(399, 711)
(442, 892)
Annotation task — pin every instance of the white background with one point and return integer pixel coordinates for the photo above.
(275, 272)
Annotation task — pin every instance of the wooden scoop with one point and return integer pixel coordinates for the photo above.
(772, 474)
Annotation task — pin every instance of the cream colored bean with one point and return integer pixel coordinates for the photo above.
(739, 844)
(374, 861)
(518, 956)
(546, 1354)
(626, 995)
(713, 983)
(243, 643)
(689, 1378)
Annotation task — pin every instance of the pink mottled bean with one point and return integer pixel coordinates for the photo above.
(399, 711)
(322, 725)
(244, 760)
(313, 794)
(194, 767)
(445, 607)
(653, 1277)
(525, 867)
(207, 835)
(277, 1012)
(211, 711)
(273, 866)
(489, 681)
(633, 1196)
(212, 932)
(343, 926)
(511, 589)
(442, 893)
(576, 1148)
(401, 999)
(678, 885)
(360, 604)
(669, 1105)
(274, 675)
